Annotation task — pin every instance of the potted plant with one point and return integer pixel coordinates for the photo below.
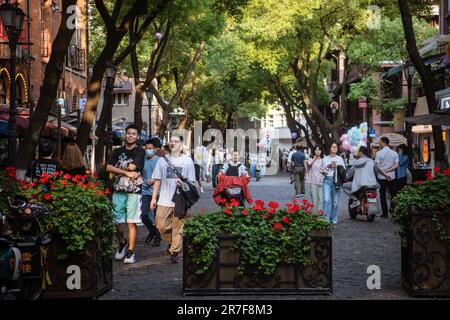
(79, 256)
(423, 212)
(262, 249)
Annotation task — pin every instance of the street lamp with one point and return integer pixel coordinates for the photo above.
(12, 19)
(334, 105)
(110, 73)
(408, 69)
(149, 94)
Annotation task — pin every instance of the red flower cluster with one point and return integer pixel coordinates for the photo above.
(234, 202)
(47, 196)
(277, 226)
(446, 172)
(285, 220)
(228, 211)
(273, 205)
(245, 212)
(259, 205)
(292, 208)
(11, 172)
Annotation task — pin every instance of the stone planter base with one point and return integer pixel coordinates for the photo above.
(222, 277)
(94, 271)
(426, 260)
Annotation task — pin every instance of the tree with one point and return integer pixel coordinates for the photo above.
(425, 75)
(48, 90)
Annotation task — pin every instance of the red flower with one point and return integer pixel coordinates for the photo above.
(447, 172)
(272, 211)
(85, 186)
(273, 205)
(245, 212)
(308, 211)
(266, 216)
(418, 182)
(436, 169)
(250, 201)
(295, 208)
(64, 182)
(47, 196)
(285, 220)
(25, 187)
(67, 176)
(108, 191)
(32, 184)
(234, 202)
(228, 211)
(277, 226)
(294, 201)
(102, 193)
(320, 212)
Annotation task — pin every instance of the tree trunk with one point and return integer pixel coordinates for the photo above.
(48, 91)
(425, 75)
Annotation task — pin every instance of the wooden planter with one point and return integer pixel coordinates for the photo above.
(222, 277)
(95, 272)
(426, 259)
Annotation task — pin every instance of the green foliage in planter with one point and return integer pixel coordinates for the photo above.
(266, 237)
(432, 195)
(80, 206)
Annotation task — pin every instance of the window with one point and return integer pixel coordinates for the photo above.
(270, 121)
(2, 91)
(75, 54)
(121, 99)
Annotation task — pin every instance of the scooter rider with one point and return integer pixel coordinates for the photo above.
(363, 173)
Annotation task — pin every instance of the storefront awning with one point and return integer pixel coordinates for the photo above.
(421, 107)
(430, 119)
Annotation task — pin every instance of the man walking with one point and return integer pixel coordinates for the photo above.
(148, 215)
(166, 180)
(127, 163)
(298, 168)
(386, 161)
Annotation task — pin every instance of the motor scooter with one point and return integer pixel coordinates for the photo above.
(366, 203)
(22, 250)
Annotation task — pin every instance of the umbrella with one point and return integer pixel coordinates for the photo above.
(395, 140)
(432, 119)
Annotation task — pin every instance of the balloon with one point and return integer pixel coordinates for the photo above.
(352, 150)
(362, 130)
(363, 144)
(346, 145)
(344, 137)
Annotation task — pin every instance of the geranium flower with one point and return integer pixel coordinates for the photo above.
(320, 212)
(67, 176)
(32, 184)
(25, 187)
(294, 201)
(228, 211)
(273, 205)
(250, 201)
(64, 182)
(272, 211)
(245, 212)
(418, 182)
(234, 202)
(47, 196)
(285, 220)
(277, 226)
(436, 169)
(108, 192)
(266, 216)
(56, 173)
(446, 172)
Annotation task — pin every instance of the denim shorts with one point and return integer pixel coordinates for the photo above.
(127, 207)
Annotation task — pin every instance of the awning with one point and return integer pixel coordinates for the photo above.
(444, 111)
(123, 87)
(395, 140)
(430, 119)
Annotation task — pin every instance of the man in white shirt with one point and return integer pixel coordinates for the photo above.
(170, 226)
(386, 161)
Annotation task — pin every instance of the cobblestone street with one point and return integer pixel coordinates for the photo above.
(357, 244)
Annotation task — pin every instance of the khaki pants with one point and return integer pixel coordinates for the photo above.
(170, 227)
(299, 178)
(317, 196)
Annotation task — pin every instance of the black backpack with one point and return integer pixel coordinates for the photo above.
(233, 171)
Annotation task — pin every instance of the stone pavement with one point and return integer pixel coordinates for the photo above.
(357, 244)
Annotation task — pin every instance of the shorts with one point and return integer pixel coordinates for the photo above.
(127, 207)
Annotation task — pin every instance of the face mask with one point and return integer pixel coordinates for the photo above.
(150, 152)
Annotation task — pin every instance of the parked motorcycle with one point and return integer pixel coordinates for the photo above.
(22, 250)
(368, 203)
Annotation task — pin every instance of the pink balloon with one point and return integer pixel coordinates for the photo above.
(352, 149)
(346, 145)
(344, 137)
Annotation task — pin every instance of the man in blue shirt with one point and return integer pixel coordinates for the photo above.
(148, 215)
(298, 168)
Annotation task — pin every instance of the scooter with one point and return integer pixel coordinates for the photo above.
(22, 250)
(368, 203)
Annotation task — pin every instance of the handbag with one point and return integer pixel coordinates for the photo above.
(187, 190)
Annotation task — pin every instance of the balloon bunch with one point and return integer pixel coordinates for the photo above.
(354, 138)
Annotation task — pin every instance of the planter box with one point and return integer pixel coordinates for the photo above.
(426, 260)
(222, 277)
(94, 272)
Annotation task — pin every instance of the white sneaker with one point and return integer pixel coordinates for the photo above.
(130, 258)
(201, 190)
(122, 251)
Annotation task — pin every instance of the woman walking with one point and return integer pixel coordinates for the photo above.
(331, 165)
(315, 178)
(403, 163)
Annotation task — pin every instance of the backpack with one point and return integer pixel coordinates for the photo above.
(233, 171)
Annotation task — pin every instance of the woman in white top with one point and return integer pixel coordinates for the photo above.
(315, 178)
(331, 189)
